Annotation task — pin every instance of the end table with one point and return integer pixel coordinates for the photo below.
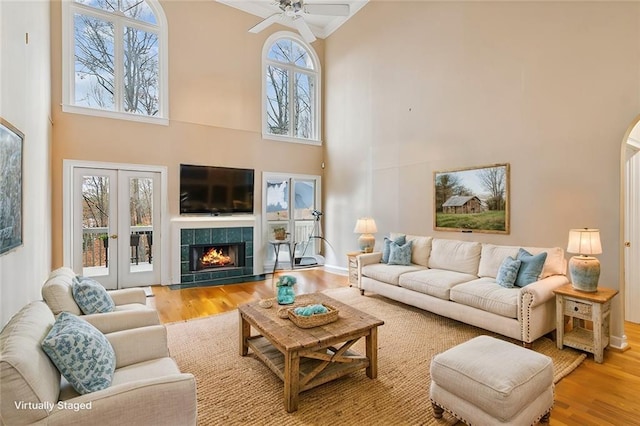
(583, 306)
(352, 264)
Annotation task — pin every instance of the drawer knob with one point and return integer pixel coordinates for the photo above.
(575, 308)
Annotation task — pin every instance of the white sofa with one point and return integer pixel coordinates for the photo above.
(131, 310)
(147, 388)
(457, 279)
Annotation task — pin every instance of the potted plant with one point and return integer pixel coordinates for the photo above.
(280, 232)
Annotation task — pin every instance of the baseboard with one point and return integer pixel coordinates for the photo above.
(618, 344)
(338, 270)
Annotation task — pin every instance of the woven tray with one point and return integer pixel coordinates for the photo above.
(314, 320)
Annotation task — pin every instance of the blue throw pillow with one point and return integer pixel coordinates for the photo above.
(508, 272)
(81, 353)
(386, 246)
(530, 268)
(91, 297)
(400, 254)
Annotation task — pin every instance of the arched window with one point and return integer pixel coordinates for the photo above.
(291, 90)
(115, 59)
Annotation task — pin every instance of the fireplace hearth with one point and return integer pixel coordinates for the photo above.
(218, 256)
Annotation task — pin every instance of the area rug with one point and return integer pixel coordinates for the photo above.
(234, 390)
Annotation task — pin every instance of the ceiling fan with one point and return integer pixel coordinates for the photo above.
(295, 10)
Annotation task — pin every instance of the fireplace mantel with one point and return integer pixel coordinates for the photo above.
(203, 222)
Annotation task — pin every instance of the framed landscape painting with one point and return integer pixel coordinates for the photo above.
(474, 199)
(10, 186)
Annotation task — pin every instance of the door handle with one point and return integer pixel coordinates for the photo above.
(627, 243)
(114, 236)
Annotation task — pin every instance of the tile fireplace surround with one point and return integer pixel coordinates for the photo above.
(189, 230)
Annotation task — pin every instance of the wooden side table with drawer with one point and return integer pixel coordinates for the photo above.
(352, 264)
(582, 306)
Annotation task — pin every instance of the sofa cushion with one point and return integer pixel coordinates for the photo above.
(508, 272)
(400, 254)
(434, 282)
(57, 291)
(454, 255)
(91, 296)
(486, 294)
(530, 267)
(26, 373)
(81, 352)
(399, 239)
(389, 274)
(491, 258)
(420, 249)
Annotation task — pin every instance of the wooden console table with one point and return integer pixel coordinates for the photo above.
(583, 306)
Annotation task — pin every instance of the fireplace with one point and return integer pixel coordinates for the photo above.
(216, 256)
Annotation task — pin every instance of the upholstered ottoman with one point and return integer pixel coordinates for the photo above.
(487, 381)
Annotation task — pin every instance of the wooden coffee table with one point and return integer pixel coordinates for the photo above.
(305, 358)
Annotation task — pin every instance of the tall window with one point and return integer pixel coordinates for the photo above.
(115, 58)
(291, 94)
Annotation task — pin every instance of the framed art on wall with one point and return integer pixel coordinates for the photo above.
(474, 199)
(11, 140)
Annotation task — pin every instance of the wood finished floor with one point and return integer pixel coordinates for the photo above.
(594, 394)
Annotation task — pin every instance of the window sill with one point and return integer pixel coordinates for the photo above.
(269, 136)
(115, 115)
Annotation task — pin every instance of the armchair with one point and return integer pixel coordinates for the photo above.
(131, 310)
(147, 387)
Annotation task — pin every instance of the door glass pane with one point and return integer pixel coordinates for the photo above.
(95, 225)
(141, 224)
(306, 226)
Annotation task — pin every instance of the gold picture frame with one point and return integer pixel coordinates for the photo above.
(473, 199)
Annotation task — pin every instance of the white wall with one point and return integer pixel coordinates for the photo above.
(549, 87)
(25, 86)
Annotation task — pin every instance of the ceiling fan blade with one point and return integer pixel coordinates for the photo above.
(264, 24)
(327, 9)
(304, 29)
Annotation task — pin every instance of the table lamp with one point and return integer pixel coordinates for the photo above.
(366, 226)
(584, 268)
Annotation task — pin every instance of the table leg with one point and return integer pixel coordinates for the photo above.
(598, 343)
(245, 333)
(372, 353)
(291, 381)
(559, 322)
(276, 250)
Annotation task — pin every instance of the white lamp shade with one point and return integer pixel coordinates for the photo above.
(365, 225)
(584, 241)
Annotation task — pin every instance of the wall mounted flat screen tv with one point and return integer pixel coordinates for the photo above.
(215, 190)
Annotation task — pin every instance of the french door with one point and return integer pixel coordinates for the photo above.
(115, 217)
(292, 204)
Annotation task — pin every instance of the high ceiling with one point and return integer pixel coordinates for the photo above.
(321, 26)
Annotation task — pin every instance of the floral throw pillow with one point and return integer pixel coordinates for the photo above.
(386, 247)
(400, 254)
(81, 353)
(91, 297)
(508, 272)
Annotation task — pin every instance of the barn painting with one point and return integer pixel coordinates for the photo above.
(472, 200)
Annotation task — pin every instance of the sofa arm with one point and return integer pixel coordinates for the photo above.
(110, 322)
(139, 344)
(541, 291)
(164, 400)
(128, 295)
(368, 259)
